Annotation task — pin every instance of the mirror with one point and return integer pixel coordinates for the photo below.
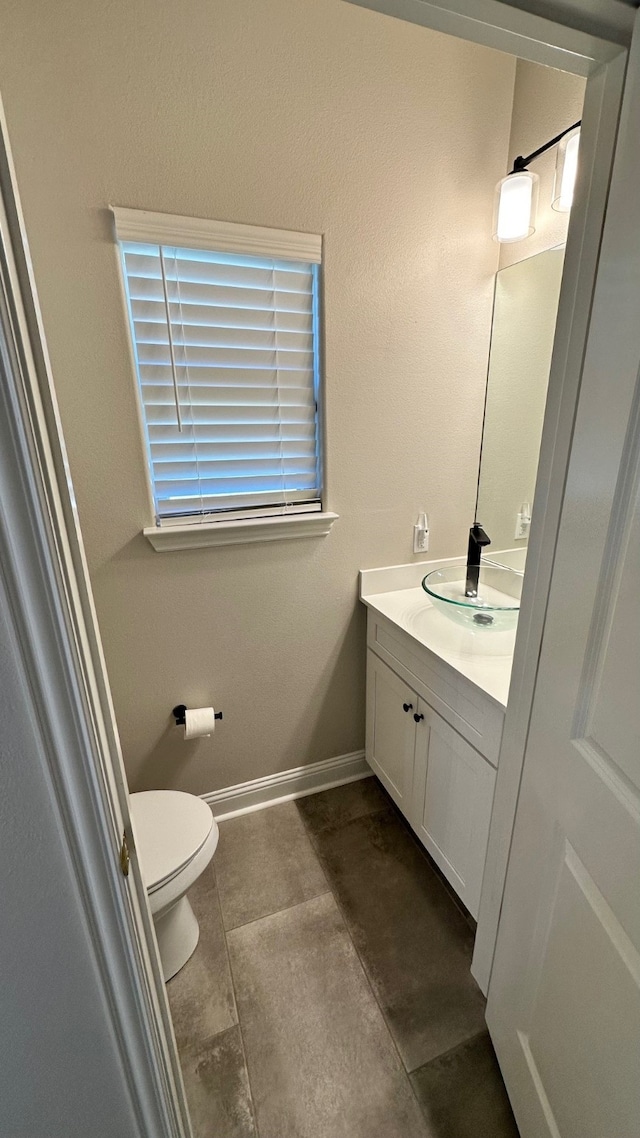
(523, 328)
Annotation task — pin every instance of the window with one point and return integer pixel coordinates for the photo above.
(224, 330)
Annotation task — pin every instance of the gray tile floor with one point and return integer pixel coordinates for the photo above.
(330, 994)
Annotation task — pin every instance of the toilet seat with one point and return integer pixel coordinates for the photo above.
(171, 828)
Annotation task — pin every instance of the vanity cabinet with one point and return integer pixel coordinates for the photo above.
(417, 720)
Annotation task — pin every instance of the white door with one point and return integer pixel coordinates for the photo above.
(391, 730)
(47, 580)
(564, 997)
(452, 797)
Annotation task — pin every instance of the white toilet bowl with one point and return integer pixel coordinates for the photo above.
(176, 836)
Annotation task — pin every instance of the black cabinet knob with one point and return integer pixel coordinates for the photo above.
(407, 706)
(417, 717)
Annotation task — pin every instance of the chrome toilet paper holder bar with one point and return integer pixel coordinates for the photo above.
(180, 711)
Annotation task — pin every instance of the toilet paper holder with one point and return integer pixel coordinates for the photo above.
(179, 713)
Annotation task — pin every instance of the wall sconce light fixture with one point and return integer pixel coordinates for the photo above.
(516, 196)
(566, 170)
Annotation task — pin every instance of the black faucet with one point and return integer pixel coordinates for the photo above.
(477, 540)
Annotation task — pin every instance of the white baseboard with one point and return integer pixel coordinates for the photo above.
(287, 785)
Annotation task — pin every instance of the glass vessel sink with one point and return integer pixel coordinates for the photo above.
(496, 606)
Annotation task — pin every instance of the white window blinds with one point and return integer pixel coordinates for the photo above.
(226, 353)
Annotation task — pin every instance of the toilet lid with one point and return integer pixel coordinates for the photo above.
(170, 828)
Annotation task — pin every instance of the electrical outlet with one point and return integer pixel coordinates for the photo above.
(421, 535)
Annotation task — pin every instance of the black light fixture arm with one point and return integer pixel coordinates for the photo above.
(522, 163)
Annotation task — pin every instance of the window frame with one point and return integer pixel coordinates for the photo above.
(254, 524)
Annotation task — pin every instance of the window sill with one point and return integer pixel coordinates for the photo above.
(166, 539)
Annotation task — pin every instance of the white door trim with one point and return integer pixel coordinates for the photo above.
(44, 564)
(604, 64)
(570, 1061)
(600, 119)
(499, 25)
(44, 570)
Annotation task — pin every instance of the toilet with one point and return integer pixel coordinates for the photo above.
(176, 836)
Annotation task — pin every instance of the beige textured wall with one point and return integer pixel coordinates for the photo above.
(545, 101)
(307, 114)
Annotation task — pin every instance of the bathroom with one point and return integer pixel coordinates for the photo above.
(387, 140)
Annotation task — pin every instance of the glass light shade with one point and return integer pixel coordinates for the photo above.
(566, 170)
(514, 212)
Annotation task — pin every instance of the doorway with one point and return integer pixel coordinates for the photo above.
(583, 261)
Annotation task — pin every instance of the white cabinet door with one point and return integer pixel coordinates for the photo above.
(451, 808)
(391, 730)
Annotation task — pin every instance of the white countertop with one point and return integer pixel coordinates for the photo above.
(483, 657)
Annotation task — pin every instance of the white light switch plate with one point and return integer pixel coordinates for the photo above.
(420, 540)
(523, 524)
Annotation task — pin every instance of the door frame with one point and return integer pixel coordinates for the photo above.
(583, 836)
(43, 566)
(42, 559)
(603, 63)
